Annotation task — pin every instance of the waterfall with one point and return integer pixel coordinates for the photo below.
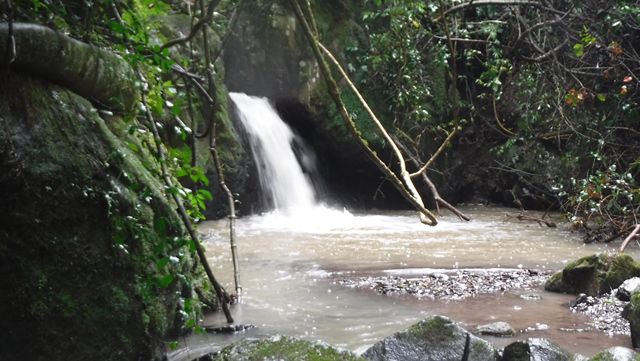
(283, 175)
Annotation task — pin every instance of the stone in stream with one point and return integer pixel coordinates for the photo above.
(279, 348)
(627, 288)
(500, 329)
(632, 314)
(616, 353)
(436, 338)
(535, 349)
(530, 296)
(593, 275)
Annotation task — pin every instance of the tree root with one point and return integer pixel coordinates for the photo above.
(96, 74)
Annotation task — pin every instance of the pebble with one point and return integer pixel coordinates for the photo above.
(605, 312)
(456, 285)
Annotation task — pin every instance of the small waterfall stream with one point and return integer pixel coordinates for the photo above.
(283, 176)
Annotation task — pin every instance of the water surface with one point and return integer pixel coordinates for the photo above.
(288, 264)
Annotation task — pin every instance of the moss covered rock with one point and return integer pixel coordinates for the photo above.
(90, 249)
(537, 349)
(632, 314)
(434, 339)
(617, 353)
(280, 348)
(593, 275)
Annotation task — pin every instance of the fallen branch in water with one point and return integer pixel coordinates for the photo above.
(631, 235)
(439, 201)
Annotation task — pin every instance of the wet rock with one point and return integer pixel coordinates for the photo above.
(538, 349)
(593, 275)
(627, 288)
(500, 329)
(617, 353)
(580, 276)
(632, 314)
(622, 268)
(530, 296)
(434, 339)
(228, 329)
(582, 298)
(279, 348)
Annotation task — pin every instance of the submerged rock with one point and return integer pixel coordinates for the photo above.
(535, 349)
(279, 348)
(501, 329)
(434, 339)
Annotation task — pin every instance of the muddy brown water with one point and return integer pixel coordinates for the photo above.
(288, 265)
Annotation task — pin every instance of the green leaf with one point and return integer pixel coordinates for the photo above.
(165, 280)
(205, 194)
(162, 263)
(173, 345)
(133, 147)
(602, 97)
(578, 49)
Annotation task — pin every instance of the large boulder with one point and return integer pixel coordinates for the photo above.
(593, 275)
(280, 348)
(84, 225)
(434, 339)
(535, 349)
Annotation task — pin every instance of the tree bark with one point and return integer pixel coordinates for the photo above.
(96, 74)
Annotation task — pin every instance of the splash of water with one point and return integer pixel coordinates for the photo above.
(283, 176)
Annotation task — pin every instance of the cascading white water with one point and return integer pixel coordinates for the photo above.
(280, 172)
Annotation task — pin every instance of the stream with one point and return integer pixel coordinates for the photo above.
(290, 264)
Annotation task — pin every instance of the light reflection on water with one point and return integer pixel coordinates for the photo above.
(288, 264)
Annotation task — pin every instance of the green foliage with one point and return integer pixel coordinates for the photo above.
(131, 29)
(398, 65)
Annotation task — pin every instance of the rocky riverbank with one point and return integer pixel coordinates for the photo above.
(605, 311)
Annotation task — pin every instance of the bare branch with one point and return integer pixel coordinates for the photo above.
(195, 28)
(488, 2)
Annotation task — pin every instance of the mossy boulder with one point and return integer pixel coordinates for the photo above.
(632, 314)
(593, 275)
(89, 243)
(434, 339)
(535, 349)
(617, 353)
(280, 348)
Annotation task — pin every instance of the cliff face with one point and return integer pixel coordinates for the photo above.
(78, 238)
(268, 55)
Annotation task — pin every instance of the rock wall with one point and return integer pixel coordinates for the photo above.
(83, 223)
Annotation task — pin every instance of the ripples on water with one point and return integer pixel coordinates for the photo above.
(288, 263)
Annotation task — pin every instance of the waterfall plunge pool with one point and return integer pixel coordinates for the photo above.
(289, 265)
